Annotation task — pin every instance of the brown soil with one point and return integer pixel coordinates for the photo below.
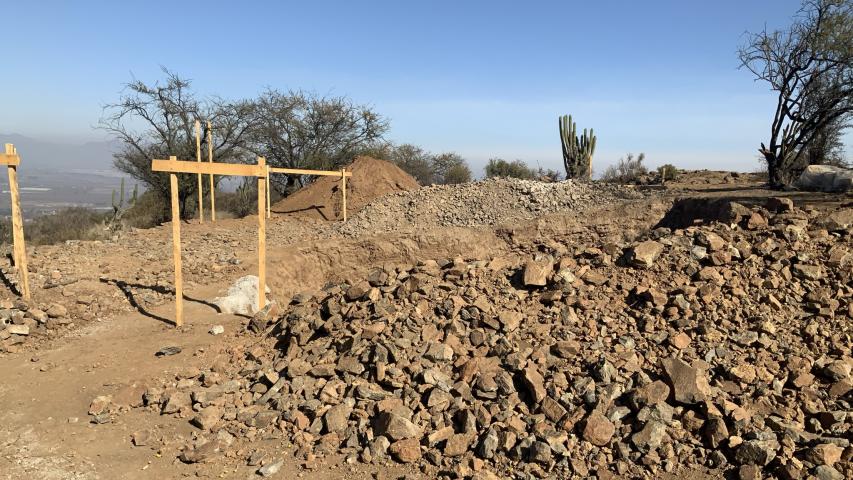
(371, 178)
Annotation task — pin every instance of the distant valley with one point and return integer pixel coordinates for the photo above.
(53, 176)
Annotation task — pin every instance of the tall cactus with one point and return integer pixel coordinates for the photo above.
(117, 206)
(577, 150)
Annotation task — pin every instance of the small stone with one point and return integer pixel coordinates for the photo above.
(650, 437)
(536, 273)
(825, 454)
(749, 472)
(358, 291)
(552, 409)
(167, 351)
(336, 418)
(566, 349)
(406, 451)
(757, 452)
(207, 418)
(826, 472)
(540, 452)
(217, 330)
(649, 394)
(645, 253)
(57, 310)
(200, 453)
(458, 444)
(680, 341)
(270, 469)
(395, 427)
(18, 329)
(101, 404)
(535, 384)
(598, 430)
(439, 352)
(689, 383)
(715, 432)
(140, 438)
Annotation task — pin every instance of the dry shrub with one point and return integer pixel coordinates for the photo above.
(628, 170)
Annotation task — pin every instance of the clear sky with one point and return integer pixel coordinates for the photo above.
(482, 78)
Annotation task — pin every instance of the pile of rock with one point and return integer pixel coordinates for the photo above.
(493, 201)
(721, 347)
(21, 323)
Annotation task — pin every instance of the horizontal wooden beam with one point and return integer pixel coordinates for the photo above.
(181, 166)
(6, 159)
(300, 171)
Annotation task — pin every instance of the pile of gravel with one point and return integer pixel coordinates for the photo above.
(488, 202)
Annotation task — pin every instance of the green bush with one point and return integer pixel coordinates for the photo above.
(498, 167)
(667, 173)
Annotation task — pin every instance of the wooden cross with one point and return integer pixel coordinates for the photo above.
(19, 250)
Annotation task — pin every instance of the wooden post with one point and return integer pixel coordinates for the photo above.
(210, 160)
(262, 237)
(176, 249)
(198, 159)
(269, 210)
(19, 248)
(344, 191)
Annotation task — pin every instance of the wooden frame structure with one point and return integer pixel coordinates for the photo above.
(261, 171)
(174, 166)
(19, 249)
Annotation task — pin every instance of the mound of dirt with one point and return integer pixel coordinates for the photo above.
(371, 178)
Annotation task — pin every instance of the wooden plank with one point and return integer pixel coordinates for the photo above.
(176, 249)
(9, 159)
(19, 248)
(181, 166)
(344, 191)
(269, 210)
(212, 184)
(300, 171)
(262, 237)
(198, 159)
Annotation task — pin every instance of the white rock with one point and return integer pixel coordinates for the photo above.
(241, 298)
(217, 330)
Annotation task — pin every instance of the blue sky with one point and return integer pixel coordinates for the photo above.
(484, 79)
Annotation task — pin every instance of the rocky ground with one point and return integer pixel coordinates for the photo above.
(609, 339)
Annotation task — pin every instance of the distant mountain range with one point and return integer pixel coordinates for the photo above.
(62, 157)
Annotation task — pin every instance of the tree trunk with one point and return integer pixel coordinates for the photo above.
(775, 176)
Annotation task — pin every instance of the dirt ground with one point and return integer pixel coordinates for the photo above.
(49, 383)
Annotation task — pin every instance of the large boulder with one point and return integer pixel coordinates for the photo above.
(826, 178)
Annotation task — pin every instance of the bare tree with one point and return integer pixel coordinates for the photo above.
(158, 120)
(810, 65)
(303, 130)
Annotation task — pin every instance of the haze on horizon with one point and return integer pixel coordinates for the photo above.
(483, 79)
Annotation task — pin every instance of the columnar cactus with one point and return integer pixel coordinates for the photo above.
(577, 150)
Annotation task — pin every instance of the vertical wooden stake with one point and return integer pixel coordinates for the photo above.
(19, 248)
(269, 210)
(344, 191)
(176, 249)
(210, 160)
(198, 159)
(262, 238)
